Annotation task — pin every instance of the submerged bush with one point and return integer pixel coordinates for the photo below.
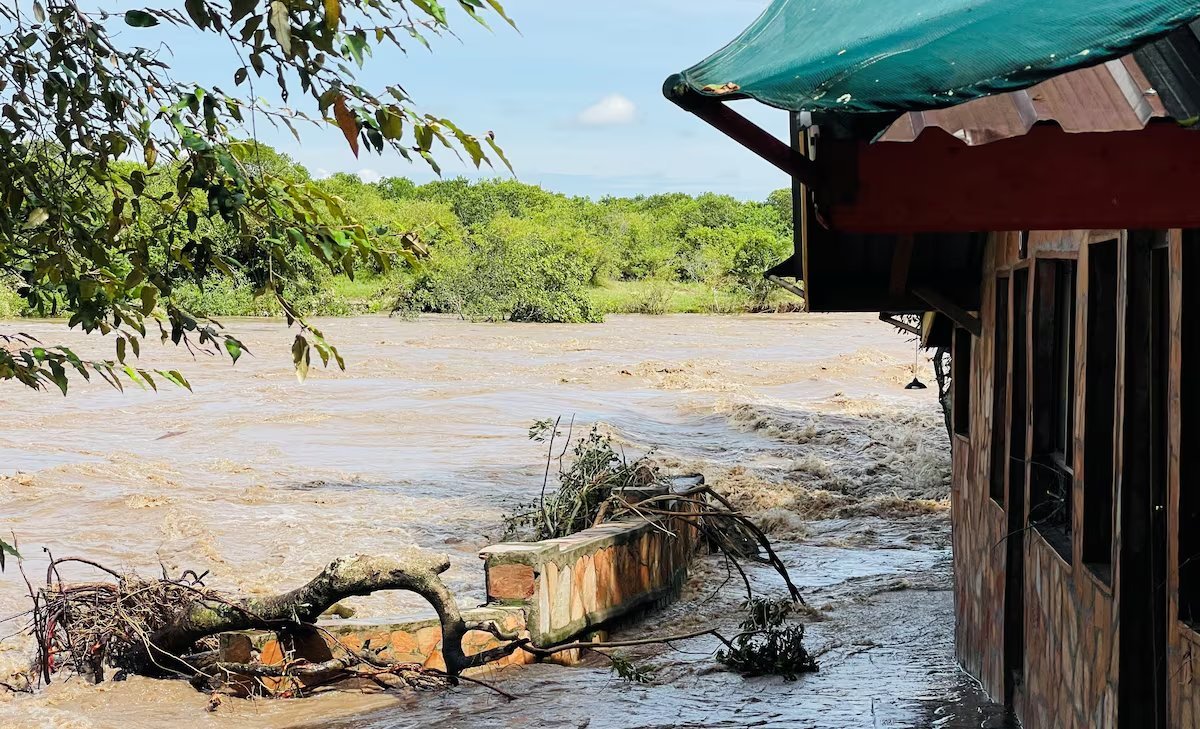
(767, 646)
(588, 485)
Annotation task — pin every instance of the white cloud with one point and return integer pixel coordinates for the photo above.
(368, 175)
(612, 110)
(320, 173)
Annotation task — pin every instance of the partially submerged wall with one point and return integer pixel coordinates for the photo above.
(552, 592)
(567, 587)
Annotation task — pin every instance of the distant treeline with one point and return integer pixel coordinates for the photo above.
(504, 250)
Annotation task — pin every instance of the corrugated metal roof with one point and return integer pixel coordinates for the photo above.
(1119, 95)
(1172, 65)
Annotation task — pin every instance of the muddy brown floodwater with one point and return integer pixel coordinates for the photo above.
(262, 480)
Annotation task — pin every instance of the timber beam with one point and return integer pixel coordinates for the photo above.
(890, 318)
(901, 261)
(953, 312)
(716, 113)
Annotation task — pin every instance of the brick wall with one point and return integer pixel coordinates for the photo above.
(567, 586)
(553, 591)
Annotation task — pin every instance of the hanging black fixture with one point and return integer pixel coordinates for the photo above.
(916, 384)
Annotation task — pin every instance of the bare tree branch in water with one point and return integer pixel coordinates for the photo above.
(165, 627)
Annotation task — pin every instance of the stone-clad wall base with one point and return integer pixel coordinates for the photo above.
(979, 553)
(978, 521)
(1185, 672)
(1070, 676)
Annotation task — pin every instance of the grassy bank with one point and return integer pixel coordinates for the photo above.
(379, 295)
(661, 297)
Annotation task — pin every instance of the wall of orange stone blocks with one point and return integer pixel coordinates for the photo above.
(551, 592)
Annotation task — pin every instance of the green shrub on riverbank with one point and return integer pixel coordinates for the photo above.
(503, 250)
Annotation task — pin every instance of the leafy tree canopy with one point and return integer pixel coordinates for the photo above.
(123, 182)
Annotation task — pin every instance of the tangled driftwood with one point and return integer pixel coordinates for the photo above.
(166, 626)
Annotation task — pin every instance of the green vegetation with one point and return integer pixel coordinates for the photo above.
(502, 250)
(769, 645)
(138, 203)
(133, 204)
(592, 485)
(513, 251)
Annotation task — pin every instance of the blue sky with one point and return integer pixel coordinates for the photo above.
(574, 98)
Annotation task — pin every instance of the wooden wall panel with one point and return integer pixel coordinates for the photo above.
(1071, 626)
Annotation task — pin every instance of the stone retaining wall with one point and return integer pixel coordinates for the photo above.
(571, 585)
(553, 591)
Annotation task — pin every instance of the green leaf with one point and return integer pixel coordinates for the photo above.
(281, 26)
(391, 122)
(140, 19)
(133, 375)
(433, 8)
(176, 378)
(333, 13)
(300, 357)
(6, 548)
(356, 45)
(197, 10)
(234, 347)
(149, 296)
(499, 152)
(240, 9)
(499, 9)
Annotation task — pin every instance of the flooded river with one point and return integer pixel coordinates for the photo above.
(262, 480)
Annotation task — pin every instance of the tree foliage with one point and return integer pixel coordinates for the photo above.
(124, 184)
(515, 242)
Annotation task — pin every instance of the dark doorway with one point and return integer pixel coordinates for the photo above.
(1014, 573)
(1143, 605)
(961, 381)
(1189, 425)
(1100, 382)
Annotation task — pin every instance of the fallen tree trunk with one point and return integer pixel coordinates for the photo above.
(416, 571)
(153, 626)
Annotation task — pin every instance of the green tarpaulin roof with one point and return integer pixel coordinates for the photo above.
(905, 55)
